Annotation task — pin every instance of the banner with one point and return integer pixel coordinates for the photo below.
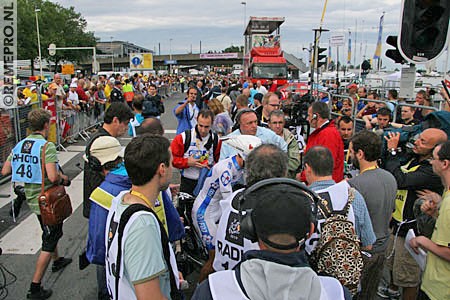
(329, 55)
(141, 61)
(349, 53)
(8, 54)
(265, 40)
(218, 55)
(377, 54)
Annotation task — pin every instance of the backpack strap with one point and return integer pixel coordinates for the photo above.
(326, 207)
(125, 217)
(187, 139)
(351, 197)
(212, 141)
(215, 142)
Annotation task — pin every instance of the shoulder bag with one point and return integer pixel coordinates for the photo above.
(54, 202)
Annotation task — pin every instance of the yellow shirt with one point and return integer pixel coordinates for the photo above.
(436, 279)
(108, 90)
(26, 92)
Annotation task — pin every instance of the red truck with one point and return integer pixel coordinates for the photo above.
(264, 58)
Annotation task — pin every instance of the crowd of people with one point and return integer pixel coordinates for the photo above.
(79, 103)
(266, 198)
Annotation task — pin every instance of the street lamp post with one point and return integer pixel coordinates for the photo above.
(36, 10)
(112, 54)
(245, 19)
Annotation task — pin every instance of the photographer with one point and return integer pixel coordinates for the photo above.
(24, 163)
(187, 111)
(416, 175)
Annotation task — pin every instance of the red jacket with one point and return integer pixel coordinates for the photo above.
(81, 94)
(177, 147)
(329, 137)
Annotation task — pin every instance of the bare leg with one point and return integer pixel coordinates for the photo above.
(55, 255)
(41, 266)
(409, 293)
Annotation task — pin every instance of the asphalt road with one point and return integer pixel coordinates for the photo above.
(20, 241)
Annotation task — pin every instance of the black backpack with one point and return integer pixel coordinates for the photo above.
(213, 141)
(152, 106)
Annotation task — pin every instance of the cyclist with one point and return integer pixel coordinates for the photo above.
(218, 184)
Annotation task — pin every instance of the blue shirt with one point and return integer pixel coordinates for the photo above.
(184, 117)
(363, 224)
(267, 136)
(137, 121)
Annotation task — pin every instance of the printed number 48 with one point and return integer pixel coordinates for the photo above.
(21, 171)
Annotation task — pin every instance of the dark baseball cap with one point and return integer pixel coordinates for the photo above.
(258, 96)
(281, 209)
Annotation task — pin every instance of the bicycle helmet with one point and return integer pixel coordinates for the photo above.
(243, 144)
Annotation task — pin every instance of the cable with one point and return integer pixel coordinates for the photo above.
(3, 281)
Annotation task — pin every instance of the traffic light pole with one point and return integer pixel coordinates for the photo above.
(315, 56)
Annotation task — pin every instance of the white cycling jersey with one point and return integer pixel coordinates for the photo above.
(229, 241)
(218, 186)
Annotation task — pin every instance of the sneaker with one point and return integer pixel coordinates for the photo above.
(387, 293)
(61, 263)
(41, 294)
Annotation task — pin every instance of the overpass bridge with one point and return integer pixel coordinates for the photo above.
(191, 61)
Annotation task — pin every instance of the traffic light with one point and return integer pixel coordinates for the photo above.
(394, 54)
(366, 65)
(424, 29)
(321, 58)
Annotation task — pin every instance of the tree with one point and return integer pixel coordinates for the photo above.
(58, 25)
(233, 49)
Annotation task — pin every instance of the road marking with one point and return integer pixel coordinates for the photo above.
(25, 238)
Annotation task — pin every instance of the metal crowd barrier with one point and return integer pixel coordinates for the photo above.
(414, 106)
(74, 124)
(14, 124)
(335, 115)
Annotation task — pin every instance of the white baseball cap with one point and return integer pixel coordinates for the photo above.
(106, 149)
(243, 144)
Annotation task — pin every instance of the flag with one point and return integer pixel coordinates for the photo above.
(349, 53)
(329, 54)
(377, 54)
(447, 83)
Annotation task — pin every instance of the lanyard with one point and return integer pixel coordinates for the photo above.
(142, 197)
(368, 169)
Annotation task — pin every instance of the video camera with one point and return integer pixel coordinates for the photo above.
(298, 110)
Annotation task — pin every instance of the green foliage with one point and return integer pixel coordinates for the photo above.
(61, 26)
(233, 49)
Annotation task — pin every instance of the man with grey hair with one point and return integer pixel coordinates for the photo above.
(276, 123)
(248, 124)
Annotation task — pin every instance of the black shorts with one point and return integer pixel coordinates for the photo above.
(188, 185)
(50, 235)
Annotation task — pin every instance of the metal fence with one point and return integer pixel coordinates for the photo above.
(67, 124)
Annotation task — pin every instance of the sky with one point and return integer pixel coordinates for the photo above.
(177, 25)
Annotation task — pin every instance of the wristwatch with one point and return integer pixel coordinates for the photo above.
(393, 151)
